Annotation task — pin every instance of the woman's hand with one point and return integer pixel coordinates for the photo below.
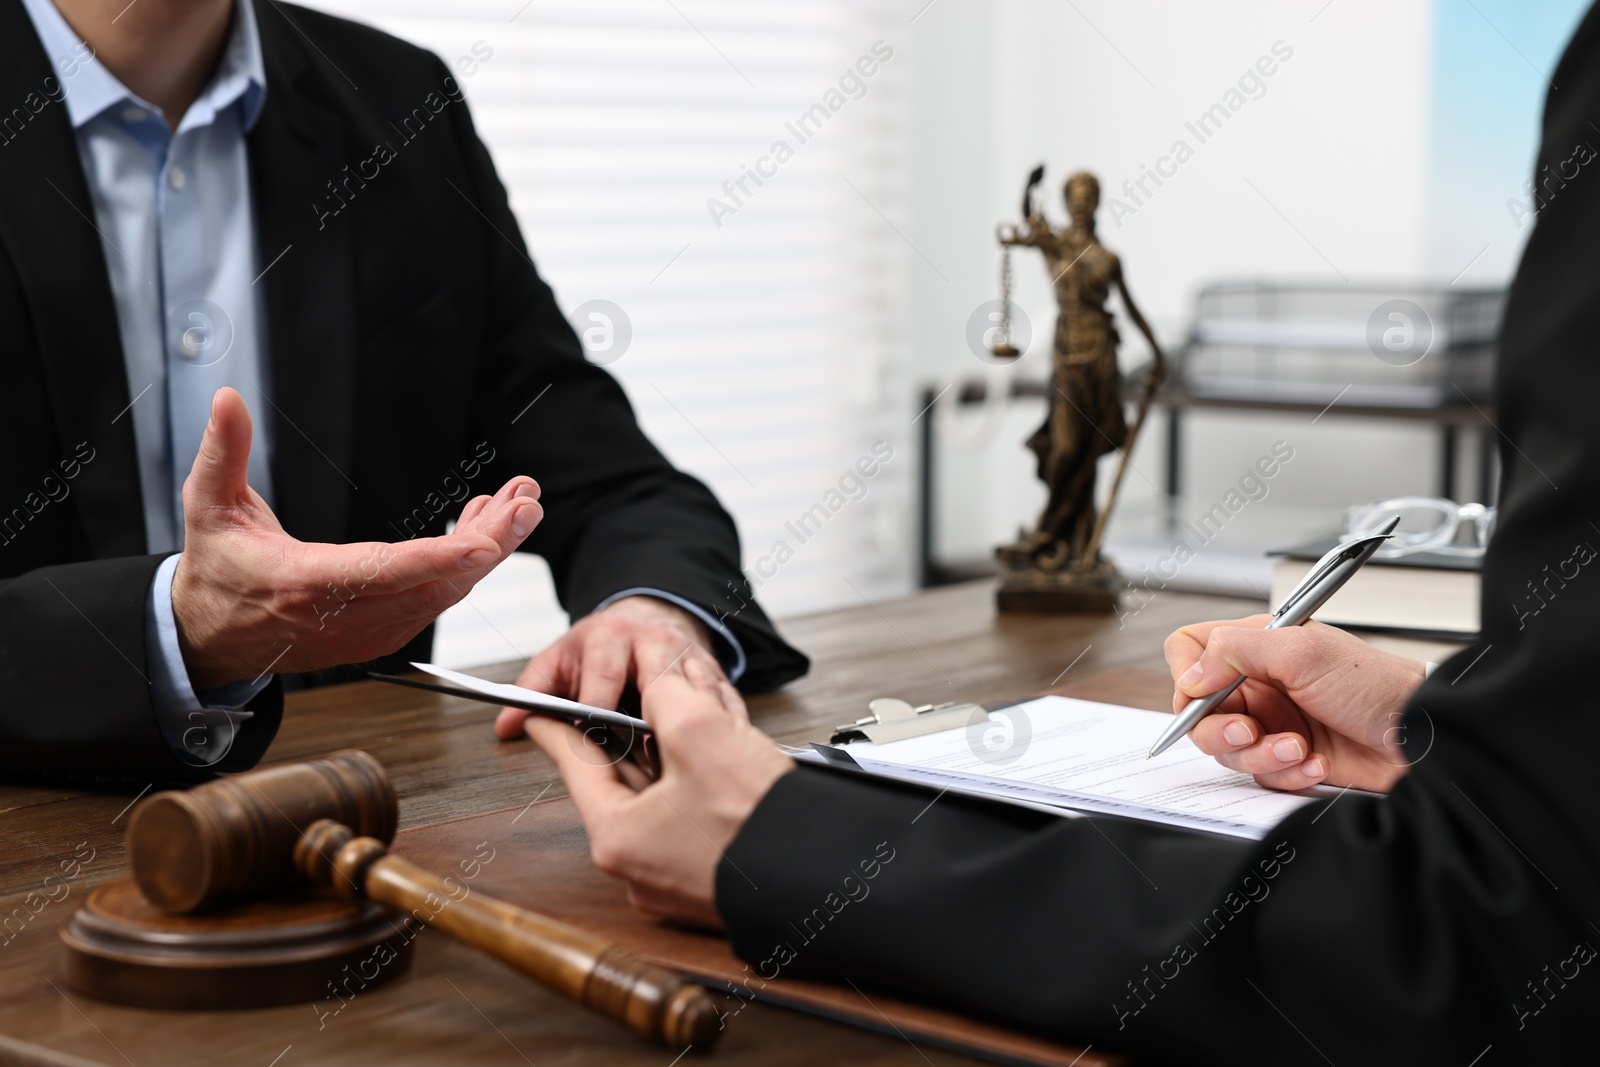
(666, 838)
(1319, 705)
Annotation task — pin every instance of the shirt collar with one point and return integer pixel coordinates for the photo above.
(90, 88)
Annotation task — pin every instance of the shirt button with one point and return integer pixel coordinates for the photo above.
(134, 114)
(177, 178)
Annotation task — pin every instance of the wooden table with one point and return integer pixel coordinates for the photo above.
(456, 1006)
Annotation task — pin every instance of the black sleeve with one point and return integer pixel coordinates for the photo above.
(1452, 920)
(617, 514)
(75, 698)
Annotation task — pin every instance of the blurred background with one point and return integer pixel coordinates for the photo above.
(773, 330)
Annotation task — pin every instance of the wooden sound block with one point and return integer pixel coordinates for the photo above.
(301, 945)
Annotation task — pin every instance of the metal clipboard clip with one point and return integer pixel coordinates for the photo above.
(893, 719)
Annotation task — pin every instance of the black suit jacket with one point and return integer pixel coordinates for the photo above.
(408, 335)
(1458, 917)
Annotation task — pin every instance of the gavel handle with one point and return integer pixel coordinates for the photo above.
(649, 999)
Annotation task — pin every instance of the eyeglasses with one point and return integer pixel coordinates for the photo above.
(1427, 524)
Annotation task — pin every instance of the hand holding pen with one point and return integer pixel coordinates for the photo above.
(1315, 704)
(1321, 706)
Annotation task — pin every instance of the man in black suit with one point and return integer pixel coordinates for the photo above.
(1454, 921)
(400, 353)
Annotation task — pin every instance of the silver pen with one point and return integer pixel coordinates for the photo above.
(1323, 580)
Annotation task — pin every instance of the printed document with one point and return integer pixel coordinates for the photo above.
(1088, 757)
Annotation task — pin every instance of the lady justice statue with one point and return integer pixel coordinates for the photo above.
(1057, 566)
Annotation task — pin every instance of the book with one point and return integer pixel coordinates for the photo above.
(1425, 594)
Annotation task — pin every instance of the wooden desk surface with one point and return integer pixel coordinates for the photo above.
(455, 1005)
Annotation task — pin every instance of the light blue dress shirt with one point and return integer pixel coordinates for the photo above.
(174, 214)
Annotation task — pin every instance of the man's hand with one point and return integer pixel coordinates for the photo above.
(248, 598)
(593, 662)
(666, 838)
(1319, 706)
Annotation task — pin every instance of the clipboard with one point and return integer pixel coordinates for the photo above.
(893, 719)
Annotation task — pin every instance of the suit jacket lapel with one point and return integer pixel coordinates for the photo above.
(48, 229)
(295, 149)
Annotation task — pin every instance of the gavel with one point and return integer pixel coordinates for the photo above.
(329, 822)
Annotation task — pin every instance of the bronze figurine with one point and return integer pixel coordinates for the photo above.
(1057, 566)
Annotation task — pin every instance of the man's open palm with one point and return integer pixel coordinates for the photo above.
(249, 598)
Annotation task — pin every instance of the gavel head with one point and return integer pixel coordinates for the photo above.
(236, 836)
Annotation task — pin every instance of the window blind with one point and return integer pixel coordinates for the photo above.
(719, 182)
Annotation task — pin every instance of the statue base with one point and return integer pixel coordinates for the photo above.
(1073, 590)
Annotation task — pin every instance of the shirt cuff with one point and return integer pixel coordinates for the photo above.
(198, 727)
(1428, 668)
(714, 624)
